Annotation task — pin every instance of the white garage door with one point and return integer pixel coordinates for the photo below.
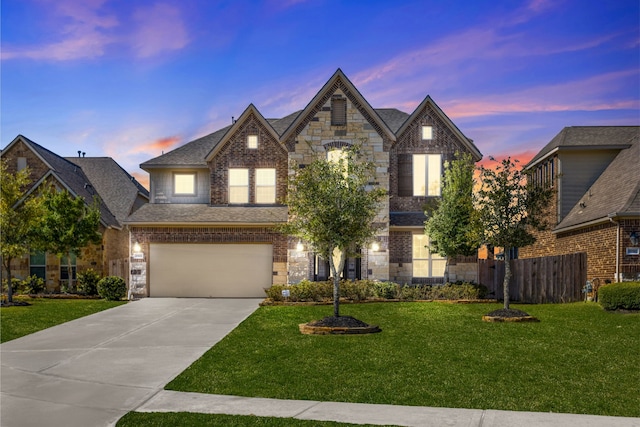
(209, 270)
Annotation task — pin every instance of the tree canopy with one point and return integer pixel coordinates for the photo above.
(332, 208)
(511, 206)
(20, 217)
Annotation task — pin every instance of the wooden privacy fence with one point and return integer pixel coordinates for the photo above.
(120, 268)
(537, 280)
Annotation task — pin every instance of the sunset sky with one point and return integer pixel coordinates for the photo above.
(131, 79)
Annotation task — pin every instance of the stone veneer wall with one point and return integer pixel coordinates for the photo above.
(146, 235)
(36, 167)
(312, 141)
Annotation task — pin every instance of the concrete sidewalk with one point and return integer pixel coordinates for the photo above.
(93, 370)
(359, 413)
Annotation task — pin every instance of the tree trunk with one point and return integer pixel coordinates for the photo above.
(335, 271)
(446, 270)
(70, 287)
(9, 281)
(507, 277)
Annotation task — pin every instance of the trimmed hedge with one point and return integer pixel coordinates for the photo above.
(363, 290)
(112, 288)
(623, 295)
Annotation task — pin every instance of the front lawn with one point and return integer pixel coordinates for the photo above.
(578, 359)
(18, 321)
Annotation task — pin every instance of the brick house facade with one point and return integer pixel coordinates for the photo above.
(596, 207)
(86, 177)
(237, 181)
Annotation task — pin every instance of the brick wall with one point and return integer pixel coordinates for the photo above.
(269, 154)
(37, 168)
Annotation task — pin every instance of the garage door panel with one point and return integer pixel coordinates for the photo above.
(209, 270)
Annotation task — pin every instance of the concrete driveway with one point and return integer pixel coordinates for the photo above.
(92, 371)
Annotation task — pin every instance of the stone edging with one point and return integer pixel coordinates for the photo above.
(509, 319)
(337, 330)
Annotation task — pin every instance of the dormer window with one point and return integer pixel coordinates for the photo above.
(338, 111)
(252, 141)
(427, 132)
(184, 184)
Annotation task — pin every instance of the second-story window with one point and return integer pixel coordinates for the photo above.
(22, 163)
(238, 185)
(427, 133)
(265, 185)
(184, 184)
(252, 141)
(427, 172)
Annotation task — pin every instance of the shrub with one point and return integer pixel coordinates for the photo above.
(17, 286)
(385, 290)
(112, 288)
(33, 285)
(623, 295)
(88, 282)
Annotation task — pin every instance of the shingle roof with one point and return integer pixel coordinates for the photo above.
(116, 187)
(72, 175)
(205, 214)
(616, 192)
(393, 117)
(407, 219)
(588, 136)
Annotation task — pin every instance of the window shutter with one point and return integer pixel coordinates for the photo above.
(405, 175)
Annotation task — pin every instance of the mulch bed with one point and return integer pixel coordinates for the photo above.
(509, 315)
(341, 325)
(4, 303)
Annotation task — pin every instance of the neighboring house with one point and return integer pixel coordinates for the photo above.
(210, 227)
(118, 194)
(596, 208)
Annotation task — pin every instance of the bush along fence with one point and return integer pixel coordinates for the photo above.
(551, 279)
(370, 290)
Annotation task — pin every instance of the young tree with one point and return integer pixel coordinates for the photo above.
(18, 219)
(453, 225)
(68, 225)
(332, 208)
(510, 207)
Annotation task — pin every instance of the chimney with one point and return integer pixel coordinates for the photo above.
(79, 153)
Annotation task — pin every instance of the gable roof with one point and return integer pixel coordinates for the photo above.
(251, 110)
(428, 102)
(178, 213)
(616, 192)
(69, 175)
(337, 81)
(116, 187)
(593, 137)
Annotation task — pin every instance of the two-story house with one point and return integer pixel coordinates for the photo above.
(596, 209)
(210, 227)
(118, 192)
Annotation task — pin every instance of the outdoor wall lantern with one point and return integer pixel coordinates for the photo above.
(634, 238)
(136, 247)
(299, 246)
(375, 246)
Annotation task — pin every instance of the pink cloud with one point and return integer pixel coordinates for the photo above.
(161, 144)
(142, 178)
(160, 28)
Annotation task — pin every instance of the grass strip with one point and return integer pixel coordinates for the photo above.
(578, 359)
(161, 419)
(43, 313)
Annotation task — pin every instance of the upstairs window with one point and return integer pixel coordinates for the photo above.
(338, 111)
(238, 185)
(265, 186)
(427, 172)
(22, 163)
(252, 141)
(427, 133)
(184, 184)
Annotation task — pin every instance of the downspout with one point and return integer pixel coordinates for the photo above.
(617, 275)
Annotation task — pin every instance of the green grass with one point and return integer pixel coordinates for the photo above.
(18, 321)
(158, 419)
(578, 359)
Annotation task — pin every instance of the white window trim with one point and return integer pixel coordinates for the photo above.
(426, 132)
(239, 187)
(431, 173)
(175, 177)
(252, 141)
(260, 185)
(430, 259)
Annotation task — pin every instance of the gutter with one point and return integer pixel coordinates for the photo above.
(617, 275)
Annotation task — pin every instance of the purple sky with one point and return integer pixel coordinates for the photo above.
(131, 79)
